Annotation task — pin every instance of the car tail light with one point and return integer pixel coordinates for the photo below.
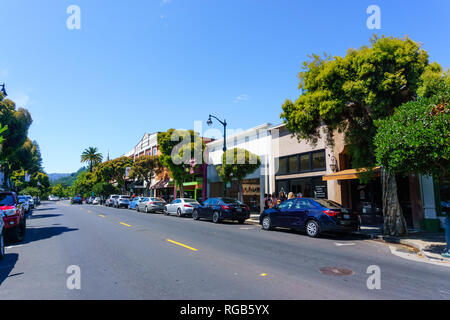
(151, 202)
(247, 208)
(331, 213)
(188, 206)
(226, 207)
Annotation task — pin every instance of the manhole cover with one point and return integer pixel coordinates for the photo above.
(333, 271)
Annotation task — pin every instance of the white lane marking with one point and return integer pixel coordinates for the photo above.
(246, 228)
(344, 244)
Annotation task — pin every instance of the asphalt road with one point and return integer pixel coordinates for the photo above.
(123, 254)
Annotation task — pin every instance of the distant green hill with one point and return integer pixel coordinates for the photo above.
(67, 181)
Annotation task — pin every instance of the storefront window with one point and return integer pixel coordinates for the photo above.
(318, 160)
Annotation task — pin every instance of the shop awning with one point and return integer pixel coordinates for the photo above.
(349, 174)
(161, 184)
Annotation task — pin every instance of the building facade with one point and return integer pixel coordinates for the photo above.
(257, 140)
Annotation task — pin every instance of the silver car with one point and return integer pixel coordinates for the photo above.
(110, 201)
(181, 207)
(148, 204)
(121, 202)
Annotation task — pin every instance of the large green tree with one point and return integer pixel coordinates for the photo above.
(92, 157)
(18, 120)
(347, 94)
(145, 168)
(236, 165)
(181, 150)
(113, 171)
(416, 138)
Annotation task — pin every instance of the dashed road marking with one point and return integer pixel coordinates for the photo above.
(124, 224)
(182, 245)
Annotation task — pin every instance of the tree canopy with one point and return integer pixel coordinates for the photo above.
(348, 93)
(178, 149)
(416, 138)
(145, 168)
(92, 157)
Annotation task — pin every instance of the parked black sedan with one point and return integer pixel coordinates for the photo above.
(314, 216)
(217, 209)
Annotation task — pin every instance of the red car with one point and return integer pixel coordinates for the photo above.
(13, 216)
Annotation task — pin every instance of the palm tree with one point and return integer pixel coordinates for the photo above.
(92, 156)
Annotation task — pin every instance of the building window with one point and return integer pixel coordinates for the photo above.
(283, 166)
(155, 151)
(318, 160)
(305, 164)
(293, 164)
(301, 163)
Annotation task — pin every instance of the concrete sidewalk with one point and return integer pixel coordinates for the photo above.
(430, 245)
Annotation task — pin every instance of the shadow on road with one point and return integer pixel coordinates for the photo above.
(36, 234)
(328, 236)
(7, 265)
(41, 216)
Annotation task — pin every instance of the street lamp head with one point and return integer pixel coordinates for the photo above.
(3, 90)
(209, 122)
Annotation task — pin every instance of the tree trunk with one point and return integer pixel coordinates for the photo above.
(241, 193)
(181, 190)
(394, 221)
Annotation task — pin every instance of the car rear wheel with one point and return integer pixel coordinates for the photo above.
(146, 209)
(179, 213)
(312, 228)
(18, 233)
(267, 223)
(216, 217)
(195, 215)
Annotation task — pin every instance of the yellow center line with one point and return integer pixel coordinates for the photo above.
(100, 215)
(182, 245)
(126, 225)
(89, 211)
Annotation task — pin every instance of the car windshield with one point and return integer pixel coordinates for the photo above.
(126, 198)
(328, 203)
(157, 199)
(231, 201)
(6, 199)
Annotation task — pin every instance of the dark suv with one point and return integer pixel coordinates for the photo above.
(217, 209)
(77, 200)
(13, 216)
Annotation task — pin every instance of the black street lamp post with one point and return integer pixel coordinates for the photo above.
(224, 123)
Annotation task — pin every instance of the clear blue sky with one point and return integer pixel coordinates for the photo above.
(141, 66)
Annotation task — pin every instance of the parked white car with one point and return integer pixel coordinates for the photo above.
(97, 201)
(181, 207)
(30, 201)
(25, 203)
(53, 198)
